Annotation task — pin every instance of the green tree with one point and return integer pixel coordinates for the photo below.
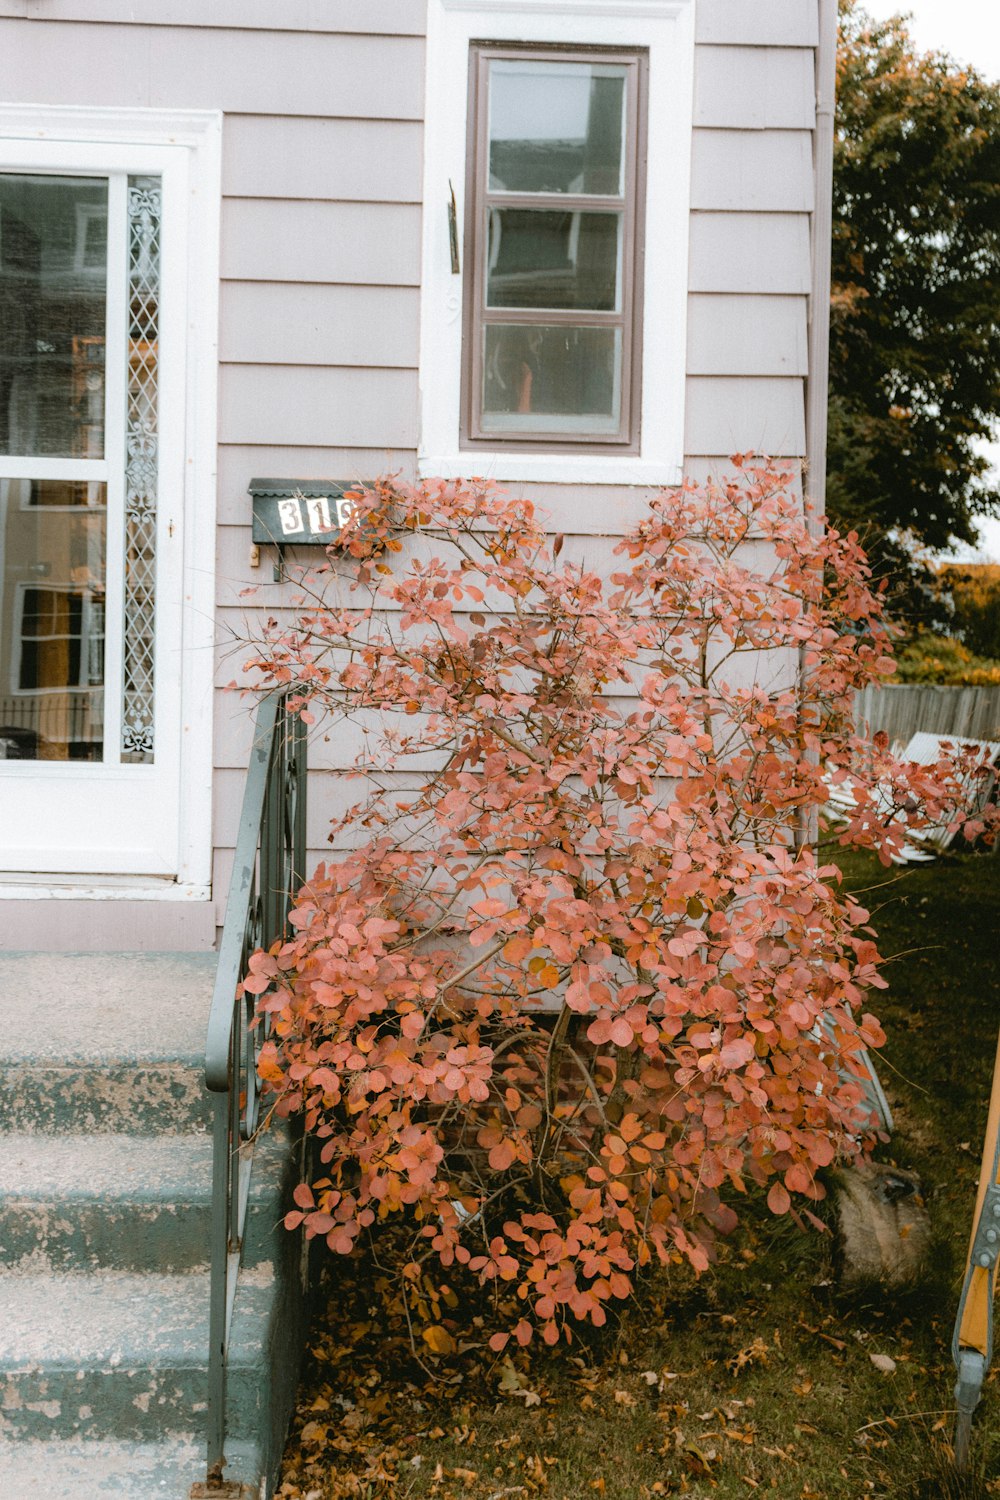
(915, 338)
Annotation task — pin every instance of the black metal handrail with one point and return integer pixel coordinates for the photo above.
(267, 872)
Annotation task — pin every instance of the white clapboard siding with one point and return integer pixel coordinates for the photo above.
(586, 509)
(376, 17)
(321, 254)
(330, 796)
(757, 23)
(755, 88)
(354, 76)
(742, 335)
(238, 464)
(757, 253)
(356, 244)
(315, 406)
(593, 551)
(243, 609)
(720, 470)
(306, 324)
(222, 871)
(366, 161)
(737, 415)
(603, 509)
(345, 745)
(753, 170)
(334, 748)
(341, 747)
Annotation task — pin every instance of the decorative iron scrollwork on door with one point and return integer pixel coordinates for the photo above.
(141, 466)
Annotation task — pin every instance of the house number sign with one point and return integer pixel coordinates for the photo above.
(300, 512)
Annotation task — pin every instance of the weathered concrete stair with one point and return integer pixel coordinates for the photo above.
(105, 1202)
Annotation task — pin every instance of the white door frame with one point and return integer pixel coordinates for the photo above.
(184, 149)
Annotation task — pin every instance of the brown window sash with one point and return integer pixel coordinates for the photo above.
(626, 319)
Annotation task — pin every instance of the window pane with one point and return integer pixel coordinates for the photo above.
(547, 379)
(53, 268)
(52, 600)
(556, 127)
(550, 258)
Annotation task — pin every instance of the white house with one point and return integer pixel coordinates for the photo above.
(580, 246)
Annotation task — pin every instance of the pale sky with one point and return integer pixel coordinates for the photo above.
(970, 31)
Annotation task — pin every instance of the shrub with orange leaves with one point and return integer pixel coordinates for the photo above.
(575, 988)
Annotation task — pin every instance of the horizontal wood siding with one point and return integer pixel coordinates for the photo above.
(729, 335)
(375, 17)
(757, 23)
(757, 253)
(310, 405)
(361, 161)
(348, 244)
(238, 463)
(310, 324)
(240, 72)
(736, 415)
(767, 171)
(751, 199)
(755, 88)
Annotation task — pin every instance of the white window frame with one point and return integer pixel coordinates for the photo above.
(137, 141)
(665, 28)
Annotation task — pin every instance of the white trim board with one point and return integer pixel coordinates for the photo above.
(80, 123)
(92, 888)
(666, 29)
(622, 10)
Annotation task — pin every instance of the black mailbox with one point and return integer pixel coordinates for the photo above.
(297, 512)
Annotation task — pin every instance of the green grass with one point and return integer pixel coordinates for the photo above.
(758, 1378)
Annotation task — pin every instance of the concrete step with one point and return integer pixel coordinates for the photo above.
(105, 1214)
(108, 1096)
(122, 1356)
(127, 1202)
(104, 1042)
(71, 1470)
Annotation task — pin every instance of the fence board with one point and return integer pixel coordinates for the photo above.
(902, 709)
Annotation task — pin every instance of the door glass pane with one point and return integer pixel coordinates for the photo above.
(542, 378)
(141, 467)
(556, 127)
(540, 257)
(52, 542)
(53, 274)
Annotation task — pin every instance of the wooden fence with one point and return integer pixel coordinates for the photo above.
(903, 709)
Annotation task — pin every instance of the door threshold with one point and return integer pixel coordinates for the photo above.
(16, 886)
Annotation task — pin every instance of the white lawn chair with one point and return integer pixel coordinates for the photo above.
(924, 749)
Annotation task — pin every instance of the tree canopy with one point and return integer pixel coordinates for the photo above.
(915, 321)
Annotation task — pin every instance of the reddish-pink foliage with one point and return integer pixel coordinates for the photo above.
(569, 993)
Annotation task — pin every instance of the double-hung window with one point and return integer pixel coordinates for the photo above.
(553, 242)
(556, 222)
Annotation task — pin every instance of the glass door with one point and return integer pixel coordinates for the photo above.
(88, 715)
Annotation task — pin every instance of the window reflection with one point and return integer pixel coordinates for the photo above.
(556, 127)
(553, 259)
(53, 266)
(548, 379)
(52, 619)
